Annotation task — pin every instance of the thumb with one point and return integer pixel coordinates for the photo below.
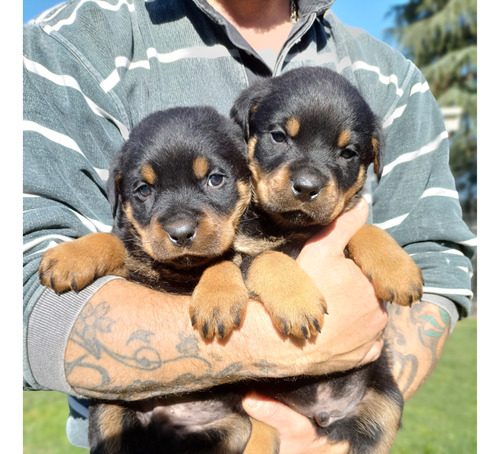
(335, 237)
(297, 433)
(273, 413)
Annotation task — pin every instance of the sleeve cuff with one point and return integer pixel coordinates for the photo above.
(49, 328)
(444, 303)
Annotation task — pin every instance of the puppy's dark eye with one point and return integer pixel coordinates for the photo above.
(347, 153)
(278, 136)
(143, 191)
(216, 180)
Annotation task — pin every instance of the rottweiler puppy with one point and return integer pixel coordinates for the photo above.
(178, 189)
(311, 138)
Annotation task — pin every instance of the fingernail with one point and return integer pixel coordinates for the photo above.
(252, 401)
(362, 203)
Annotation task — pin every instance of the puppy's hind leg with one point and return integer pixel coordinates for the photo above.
(263, 440)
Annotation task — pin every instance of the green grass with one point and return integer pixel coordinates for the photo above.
(439, 419)
(44, 428)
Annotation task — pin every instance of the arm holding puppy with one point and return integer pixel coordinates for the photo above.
(136, 349)
(415, 349)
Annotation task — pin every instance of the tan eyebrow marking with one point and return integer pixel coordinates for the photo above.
(200, 166)
(343, 138)
(148, 174)
(292, 126)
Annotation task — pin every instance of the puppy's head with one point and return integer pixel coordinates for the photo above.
(311, 138)
(180, 185)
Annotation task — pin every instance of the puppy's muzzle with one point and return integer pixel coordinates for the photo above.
(306, 185)
(181, 232)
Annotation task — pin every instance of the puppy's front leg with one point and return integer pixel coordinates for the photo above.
(290, 296)
(74, 265)
(218, 303)
(394, 275)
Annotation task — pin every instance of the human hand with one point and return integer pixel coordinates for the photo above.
(296, 432)
(354, 327)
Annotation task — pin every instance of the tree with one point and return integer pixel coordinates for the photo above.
(440, 36)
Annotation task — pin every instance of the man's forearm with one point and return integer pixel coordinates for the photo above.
(416, 337)
(119, 349)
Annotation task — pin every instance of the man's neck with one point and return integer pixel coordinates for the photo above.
(263, 23)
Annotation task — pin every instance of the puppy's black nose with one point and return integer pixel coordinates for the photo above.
(181, 233)
(306, 187)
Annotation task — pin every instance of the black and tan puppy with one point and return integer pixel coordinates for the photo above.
(178, 189)
(311, 138)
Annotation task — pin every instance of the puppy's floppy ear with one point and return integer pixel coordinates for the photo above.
(246, 103)
(113, 185)
(378, 144)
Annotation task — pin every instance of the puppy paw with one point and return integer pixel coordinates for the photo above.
(394, 275)
(62, 269)
(76, 264)
(297, 316)
(293, 301)
(403, 285)
(219, 301)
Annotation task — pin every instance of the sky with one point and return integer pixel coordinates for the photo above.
(366, 14)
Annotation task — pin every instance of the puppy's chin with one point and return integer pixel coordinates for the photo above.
(295, 218)
(186, 261)
(302, 218)
(191, 261)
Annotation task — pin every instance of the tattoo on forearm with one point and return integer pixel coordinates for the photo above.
(416, 337)
(94, 321)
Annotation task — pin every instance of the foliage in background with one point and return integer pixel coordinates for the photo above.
(440, 37)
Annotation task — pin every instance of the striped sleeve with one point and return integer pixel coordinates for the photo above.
(416, 200)
(65, 162)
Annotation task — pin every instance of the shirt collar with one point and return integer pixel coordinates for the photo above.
(306, 8)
